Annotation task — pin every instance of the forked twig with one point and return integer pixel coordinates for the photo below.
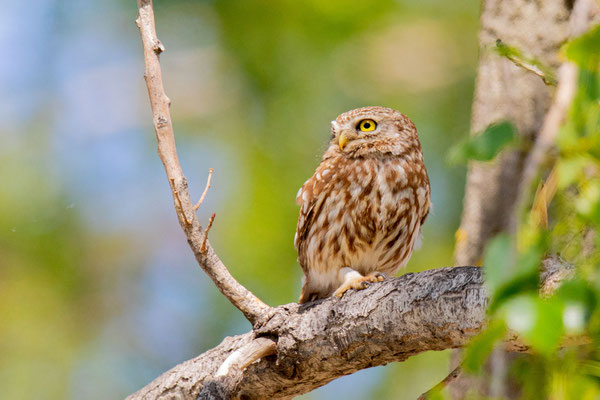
(250, 305)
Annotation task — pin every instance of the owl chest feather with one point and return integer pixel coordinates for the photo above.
(368, 217)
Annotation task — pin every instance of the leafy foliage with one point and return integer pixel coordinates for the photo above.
(484, 146)
(512, 262)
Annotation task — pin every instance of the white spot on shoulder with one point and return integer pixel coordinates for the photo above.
(304, 196)
(299, 192)
(326, 171)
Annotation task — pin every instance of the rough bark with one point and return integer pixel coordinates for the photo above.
(318, 342)
(321, 341)
(497, 192)
(505, 91)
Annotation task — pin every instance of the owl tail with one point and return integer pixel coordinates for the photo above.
(308, 294)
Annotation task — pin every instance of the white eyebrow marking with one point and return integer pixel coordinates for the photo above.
(335, 125)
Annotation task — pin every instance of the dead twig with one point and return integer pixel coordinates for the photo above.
(210, 222)
(250, 305)
(210, 172)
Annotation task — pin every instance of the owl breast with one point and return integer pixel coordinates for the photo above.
(366, 216)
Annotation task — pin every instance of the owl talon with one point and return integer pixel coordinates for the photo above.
(378, 276)
(354, 280)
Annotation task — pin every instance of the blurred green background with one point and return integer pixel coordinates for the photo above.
(99, 292)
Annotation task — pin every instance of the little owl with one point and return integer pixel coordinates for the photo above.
(362, 211)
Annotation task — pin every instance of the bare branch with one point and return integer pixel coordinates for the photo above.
(250, 305)
(210, 172)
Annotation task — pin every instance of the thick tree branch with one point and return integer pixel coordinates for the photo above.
(250, 305)
(321, 341)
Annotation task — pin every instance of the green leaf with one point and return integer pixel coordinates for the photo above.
(482, 345)
(588, 203)
(484, 146)
(518, 285)
(529, 261)
(539, 322)
(506, 278)
(571, 169)
(497, 262)
(585, 50)
(580, 301)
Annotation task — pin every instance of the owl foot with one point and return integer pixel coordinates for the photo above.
(380, 276)
(354, 280)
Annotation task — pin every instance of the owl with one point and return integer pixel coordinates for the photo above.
(362, 210)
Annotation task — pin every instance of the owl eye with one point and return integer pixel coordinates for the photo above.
(367, 125)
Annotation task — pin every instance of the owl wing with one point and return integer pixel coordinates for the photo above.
(310, 198)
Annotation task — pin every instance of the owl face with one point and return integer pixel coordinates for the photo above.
(370, 131)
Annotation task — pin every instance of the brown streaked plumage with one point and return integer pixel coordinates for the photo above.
(361, 212)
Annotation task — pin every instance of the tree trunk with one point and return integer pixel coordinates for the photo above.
(505, 91)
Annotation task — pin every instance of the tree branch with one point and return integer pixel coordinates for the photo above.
(250, 305)
(321, 341)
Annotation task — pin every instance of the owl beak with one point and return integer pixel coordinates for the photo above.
(342, 140)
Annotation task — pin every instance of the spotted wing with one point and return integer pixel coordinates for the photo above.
(310, 198)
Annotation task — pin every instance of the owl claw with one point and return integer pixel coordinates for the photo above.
(358, 282)
(379, 276)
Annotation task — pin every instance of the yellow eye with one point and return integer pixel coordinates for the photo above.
(367, 125)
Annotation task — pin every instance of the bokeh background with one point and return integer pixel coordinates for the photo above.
(99, 292)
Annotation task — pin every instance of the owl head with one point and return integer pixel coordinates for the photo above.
(372, 132)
